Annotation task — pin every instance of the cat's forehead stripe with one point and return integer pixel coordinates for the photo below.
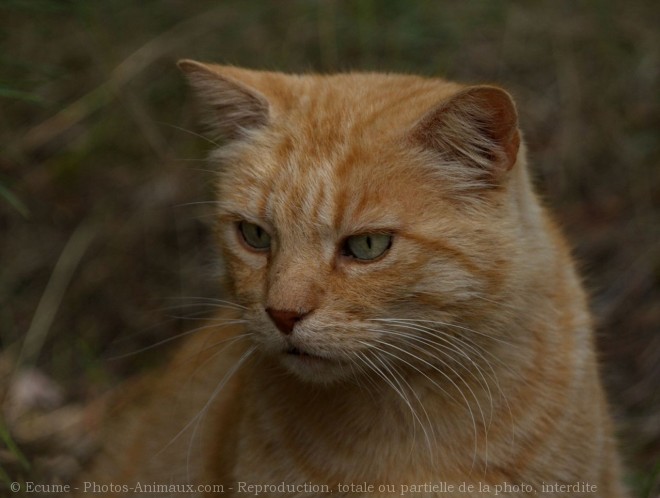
(300, 195)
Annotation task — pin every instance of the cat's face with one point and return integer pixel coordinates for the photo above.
(353, 236)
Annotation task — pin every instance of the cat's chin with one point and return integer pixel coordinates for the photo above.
(313, 368)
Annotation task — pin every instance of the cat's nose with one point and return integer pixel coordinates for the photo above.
(285, 320)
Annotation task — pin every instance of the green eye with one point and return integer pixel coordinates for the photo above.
(254, 236)
(368, 246)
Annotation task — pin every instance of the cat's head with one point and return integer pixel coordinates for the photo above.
(364, 218)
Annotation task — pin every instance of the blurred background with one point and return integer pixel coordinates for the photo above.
(105, 243)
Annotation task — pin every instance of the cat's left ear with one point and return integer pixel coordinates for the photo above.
(477, 127)
(230, 106)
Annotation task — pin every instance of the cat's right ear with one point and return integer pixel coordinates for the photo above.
(229, 107)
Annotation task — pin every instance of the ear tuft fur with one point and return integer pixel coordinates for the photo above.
(229, 107)
(477, 127)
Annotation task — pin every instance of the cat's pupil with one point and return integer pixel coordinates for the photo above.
(368, 246)
(254, 235)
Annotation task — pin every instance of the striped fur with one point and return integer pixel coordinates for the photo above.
(463, 355)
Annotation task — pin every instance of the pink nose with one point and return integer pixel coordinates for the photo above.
(285, 320)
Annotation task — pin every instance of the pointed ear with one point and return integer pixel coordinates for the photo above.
(477, 127)
(230, 107)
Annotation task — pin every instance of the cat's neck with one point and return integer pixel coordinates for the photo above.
(351, 422)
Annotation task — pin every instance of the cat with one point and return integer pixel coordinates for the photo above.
(404, 317)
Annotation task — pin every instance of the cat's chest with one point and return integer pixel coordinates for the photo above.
(370, 464)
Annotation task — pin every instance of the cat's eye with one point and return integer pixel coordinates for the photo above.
(367, 246)
(254, 236)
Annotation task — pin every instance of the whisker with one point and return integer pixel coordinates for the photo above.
(228, 342)
(463, 339)
(419, 401)
(200, 415)
(390, 383)
(199, 203)
(444, 324)
(478, 350)
(394, 374)
(202, 300)
(196, 160)
(230, 373)
(190, 132)
(203, 315)
(467, 403)
(411, 366)
(441, 348)
(498, 303)
(173, 338)
(363, 374)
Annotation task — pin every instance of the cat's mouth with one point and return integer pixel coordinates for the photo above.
(294, 351)
(313, 367)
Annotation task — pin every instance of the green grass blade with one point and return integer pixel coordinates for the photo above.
(6, 438)
(14, 201)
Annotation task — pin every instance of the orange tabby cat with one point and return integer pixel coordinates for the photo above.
(405, 318)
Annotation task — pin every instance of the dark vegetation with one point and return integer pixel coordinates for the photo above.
(103, 230)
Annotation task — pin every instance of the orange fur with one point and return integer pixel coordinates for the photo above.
(463, 353)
